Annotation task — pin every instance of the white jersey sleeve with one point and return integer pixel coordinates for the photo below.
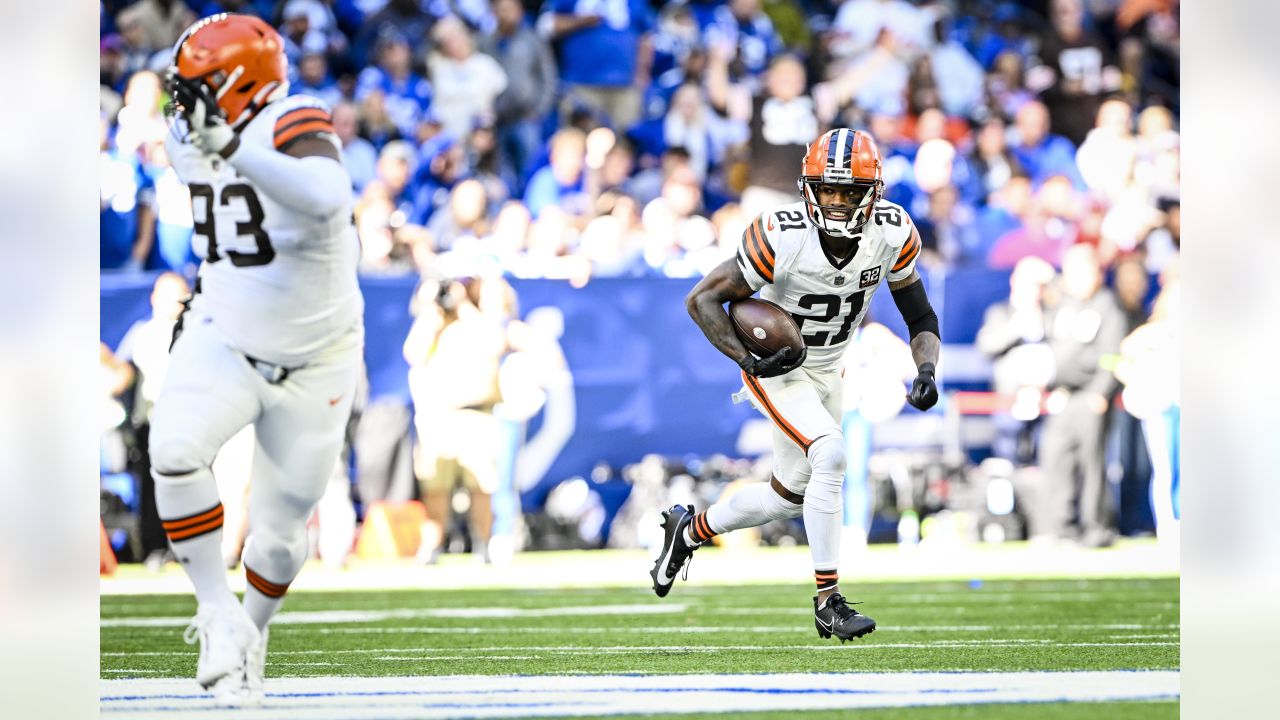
(766, 249)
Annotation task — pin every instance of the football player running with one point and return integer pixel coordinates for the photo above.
(821, 259)
(273, 334)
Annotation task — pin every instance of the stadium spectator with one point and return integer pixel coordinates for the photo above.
(358, 154)
(1013, 335)
(992, 162)
(959, 77)
(1006, 36)
(1127, 457)
(161, 21)
(562, 182)
(1149, 368)
(600, 53)
(1106, 156)
(1083, 70)
(313, 79)
(146, 345)
(464, 219)
(1042, 153)
(675, 36)
(406, 19)
(301, 36)
(465, 82)
(744, 26)
(1006, 87)
(405, 94)
(782, 120)
(530, 92)
(1085, 327)
(693, 125)
(859, 24)
(125, 228)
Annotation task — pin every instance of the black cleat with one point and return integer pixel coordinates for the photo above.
(837, 618)
(675, 551)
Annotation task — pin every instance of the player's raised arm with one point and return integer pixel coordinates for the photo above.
(304, 170)
(705, 303)
(922, 323)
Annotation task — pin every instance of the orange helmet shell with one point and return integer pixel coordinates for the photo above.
(842, 156)
(216, 47)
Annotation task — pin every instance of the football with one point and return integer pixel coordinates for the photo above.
(764, 327)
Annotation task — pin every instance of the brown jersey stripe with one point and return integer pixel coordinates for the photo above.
(752, 257)
(904, 261)
(192, 520)
(296, 131)
(758, 390)
(195, 531)
(764, 241)
(294, 116)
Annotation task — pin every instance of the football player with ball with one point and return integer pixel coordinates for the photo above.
(817, 263)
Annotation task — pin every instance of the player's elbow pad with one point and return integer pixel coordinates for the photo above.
(916, 310)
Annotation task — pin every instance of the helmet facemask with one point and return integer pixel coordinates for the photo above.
(842, 221)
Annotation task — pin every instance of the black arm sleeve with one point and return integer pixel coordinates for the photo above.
(916, 310)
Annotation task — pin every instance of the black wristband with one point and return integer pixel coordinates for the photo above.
(747, 361)
(925, 368)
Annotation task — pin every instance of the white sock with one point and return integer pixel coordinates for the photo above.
(190, 511)
(271, 562)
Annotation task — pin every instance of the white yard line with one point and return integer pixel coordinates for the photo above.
(430, 653)
(327, 617)
(338, 698)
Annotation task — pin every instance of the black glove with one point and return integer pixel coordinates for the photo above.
(196, 103)
(924, 392)
(774, 365)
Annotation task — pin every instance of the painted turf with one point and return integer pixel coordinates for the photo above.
(348, 698)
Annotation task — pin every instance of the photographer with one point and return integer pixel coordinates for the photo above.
(453, 351)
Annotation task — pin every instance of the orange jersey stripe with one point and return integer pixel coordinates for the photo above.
(905, 260)
(764, 241)
(307, 113)
(284, 137)
(190, 520)
(752, 256)
(757, 239)
(758, 390)
(187, 534)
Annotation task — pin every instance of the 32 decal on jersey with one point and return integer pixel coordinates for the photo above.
(256, 248)
(830, 305)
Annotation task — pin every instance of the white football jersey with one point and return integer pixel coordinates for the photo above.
(279, 285)
(782, 257)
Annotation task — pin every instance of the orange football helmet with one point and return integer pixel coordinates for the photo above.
(240, 57)
(842, 157)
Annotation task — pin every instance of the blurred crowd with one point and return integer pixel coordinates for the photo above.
(580, 138)
(574, 139)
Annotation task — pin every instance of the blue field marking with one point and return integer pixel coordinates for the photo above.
(411, 693)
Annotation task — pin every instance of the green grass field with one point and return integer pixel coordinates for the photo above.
(1001, 626)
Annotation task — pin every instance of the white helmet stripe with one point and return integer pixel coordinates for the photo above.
(842, 136)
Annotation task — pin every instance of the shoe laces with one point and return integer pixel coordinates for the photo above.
(201, 621)
(840, 606)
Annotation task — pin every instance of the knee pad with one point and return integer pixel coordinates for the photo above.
(827, 459)
(176, 459)
(779, 508)
(275, 554)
